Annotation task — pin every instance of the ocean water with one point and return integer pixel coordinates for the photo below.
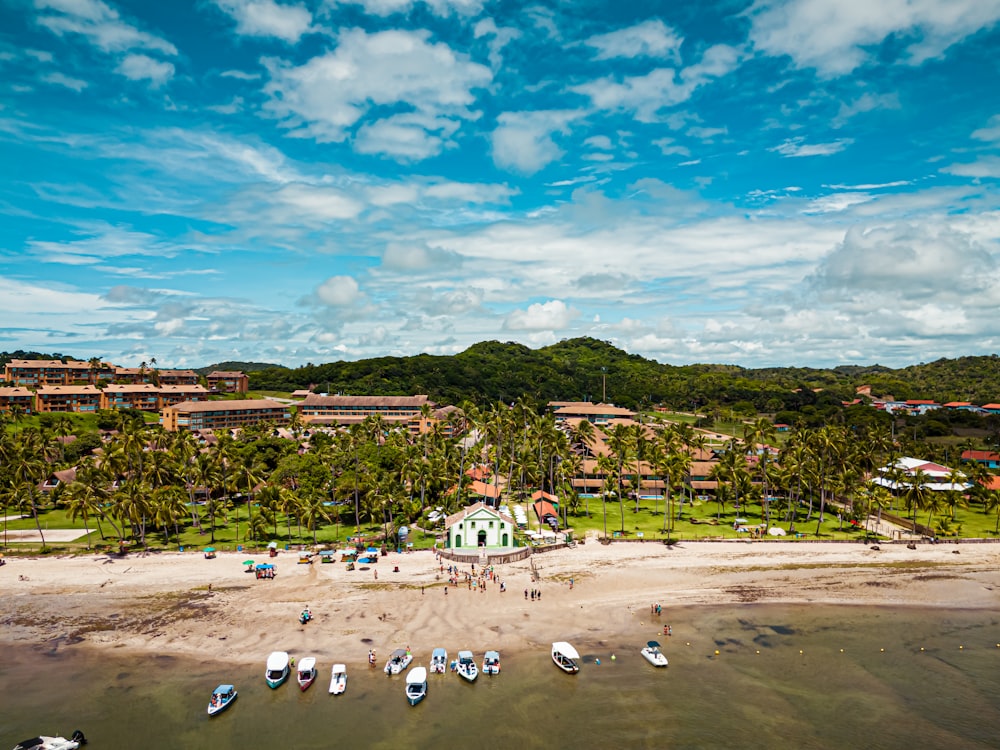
(784, 677)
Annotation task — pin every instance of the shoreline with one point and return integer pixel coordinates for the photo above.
(172, 603)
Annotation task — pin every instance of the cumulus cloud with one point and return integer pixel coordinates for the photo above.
(145, 68)
(835, 38)
(60, 79)
(797, 147)
(329, 95)
(339, 291)
(523, 141)
(417, 258)
(385, 8)
(651, 38)
(498, 39)
(541, 316)
(100, 24)
(266, 18)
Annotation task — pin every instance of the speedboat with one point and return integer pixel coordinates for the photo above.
(653, 655)
(277, 669)
(491, 662)
(466, 666)
(439, 661)
(565, 657)
(222, 696)
(306, 674)
(338, 679)
(416, 685)
(398, 661)
(42, 742)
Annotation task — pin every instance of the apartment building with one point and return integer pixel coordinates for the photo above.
(35, 372)
(78, 398)
(141, 396)
(344, 410)
(223, 415)
(227, 381)
(17, 397)
(177, 377)
(176, 394)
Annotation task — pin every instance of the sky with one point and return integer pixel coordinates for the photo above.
(805, 183)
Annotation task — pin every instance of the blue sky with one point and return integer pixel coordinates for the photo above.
(761, 183)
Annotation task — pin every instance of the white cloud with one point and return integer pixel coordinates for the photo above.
(984, 166)
(145, 68)
(541, 316)
(407, 137)
(339, 291)
(991, 133)
(599, 141)
(266, 18)
(523, 142)
(59, 79)
(796, 147)
(240, 75)
(100, 24)
(651, 38)
(865, 103)
(669, 146)
(328, 95)
(498, 39)
(438, 7)
(835, 38)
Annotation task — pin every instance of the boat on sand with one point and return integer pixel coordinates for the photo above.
(398, 661)
(439, 661)
(277, 669)
(565, 657)
(466, 666)
(338, 679)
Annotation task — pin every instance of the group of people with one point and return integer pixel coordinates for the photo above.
(535, 594)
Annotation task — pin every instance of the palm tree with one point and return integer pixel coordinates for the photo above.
(83, 501)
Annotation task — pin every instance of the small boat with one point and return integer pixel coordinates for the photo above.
(306, 674)
(491, 662)
(565, 657)
(466, 666)
(398, 661)
(439, 661)
(277, 669)
(653, 655)
(416, 685)
(222, 696)
(338, 679)
(42, 742)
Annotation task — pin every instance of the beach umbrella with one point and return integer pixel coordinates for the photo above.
(775, 531)
(248, 562)
(739, 520)
(210, 549)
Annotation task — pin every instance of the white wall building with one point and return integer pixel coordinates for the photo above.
(480, 526)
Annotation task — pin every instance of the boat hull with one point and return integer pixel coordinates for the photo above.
(469, 675)
(415, 698)
(656, 659)
(276, 682)
(567, 666)
(216, 710)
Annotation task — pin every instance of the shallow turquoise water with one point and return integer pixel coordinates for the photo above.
(945, 696)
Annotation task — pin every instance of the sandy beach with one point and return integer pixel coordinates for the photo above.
(184, 604)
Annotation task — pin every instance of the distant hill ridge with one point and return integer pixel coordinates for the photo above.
(591, 369)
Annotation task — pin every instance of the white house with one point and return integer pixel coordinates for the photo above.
(479, 525)
(937, 476)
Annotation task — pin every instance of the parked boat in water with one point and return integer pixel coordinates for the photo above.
(653, 655)
(222, 696)
(398, 661)
(491, 662)
(565, 657)
(439, 661)
(277, 669)
(338, 679)
(43, 742)
(416, 685)
(306, 674)
(466, 666)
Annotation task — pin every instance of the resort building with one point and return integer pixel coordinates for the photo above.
(177, 377)
(989, 459)
(36, 372)
(141, 396)
(228, 381)
(344, 410)
(223, 415)
(479, 526)
(20, 398)
(176, 394)
(937, 478)
(594, 413)
(78, 398)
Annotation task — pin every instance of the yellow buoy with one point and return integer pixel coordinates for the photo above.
(921, 648)
(716, 652)
(961, 647)
(800, 652)
(758, 651)
(841, 650)
(612, 657)
(882, 649)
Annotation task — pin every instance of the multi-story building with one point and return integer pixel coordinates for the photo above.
(594, 413)
(17, 397)
(344, 410)
(81, 398)
(36, 372)
(177, 377)
(142, 396)
(176, 394)
(227, 381)
(222, 415)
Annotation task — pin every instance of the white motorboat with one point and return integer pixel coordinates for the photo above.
(439, 661)
(222, 696)
(416, 685)
(42, 742)
(277, 669)
(466, 666)
(491, 662)
(653, 655)
(306, 674)
(398, 661)
(565, 657)
(338, 679)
